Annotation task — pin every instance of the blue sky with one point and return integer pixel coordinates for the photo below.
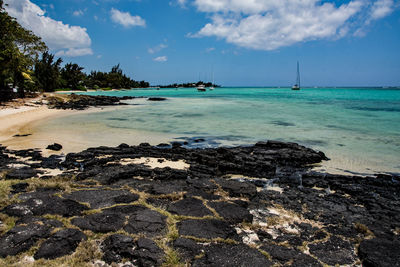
(253, 42)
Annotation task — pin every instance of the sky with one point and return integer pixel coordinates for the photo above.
(238, 42)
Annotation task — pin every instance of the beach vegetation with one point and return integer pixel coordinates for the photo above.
(72, 77)
(19, 49)
(47, 72)
(115, 79)
(172, 258)
(22, 71)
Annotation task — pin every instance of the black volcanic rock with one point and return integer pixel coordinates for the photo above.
(101, 198)
(61, 243)
(100, 222)
(148, 253)
(21, 174)
(125, 210)
(22, 238)
(187, 248)
(19, 188)
(81, 102)
(156, 99)
(380, 252)
(208, 229)
(117, 247)
(55, 147)
(147, 222)
(39, 220)
(238, 189)
(231, 212)
(52, 162)
(232, 255)
(341, 212)
(45, 205)
(303, 260)
(334, 251)
(171, 187)
(285, 255)
(260, 160)
(280, 253)
(143, 252)
(189, 207)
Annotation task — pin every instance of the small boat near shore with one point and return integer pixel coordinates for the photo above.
(201, 88)
(297, 85)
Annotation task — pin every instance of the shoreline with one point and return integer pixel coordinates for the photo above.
(26, 119)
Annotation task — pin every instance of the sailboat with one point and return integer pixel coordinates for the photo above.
(297, 85)
(212, 85)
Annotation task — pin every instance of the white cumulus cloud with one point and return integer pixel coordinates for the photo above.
(59, 37)
(78, 13)
(161, 59)
(182, 3)
(381, 8)
(126, 19)
(269, 25)
(157, 48)
(75, 52)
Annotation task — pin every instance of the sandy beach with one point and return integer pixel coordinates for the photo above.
(19, 122)
(15, 121)
(21, 129)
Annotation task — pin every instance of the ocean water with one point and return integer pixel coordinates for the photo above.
(358, 128)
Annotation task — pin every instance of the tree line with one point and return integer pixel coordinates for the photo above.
(27, 65)
(188, 85)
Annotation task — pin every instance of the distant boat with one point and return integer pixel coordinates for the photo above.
(212, 85)
(297, 85)
(201, 88)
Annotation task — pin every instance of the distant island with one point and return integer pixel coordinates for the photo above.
(189, 85)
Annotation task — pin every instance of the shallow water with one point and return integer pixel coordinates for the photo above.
(358, 128)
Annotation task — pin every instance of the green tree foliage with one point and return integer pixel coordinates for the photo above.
(72, 76)
(115, 79)
(20, 65)
(19, 48)
(189, 85)
(47, 72)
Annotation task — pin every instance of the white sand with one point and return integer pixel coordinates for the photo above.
(19, 119)
(24, 117)
(16, 121)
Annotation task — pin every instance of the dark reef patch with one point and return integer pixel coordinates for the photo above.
(283, 123)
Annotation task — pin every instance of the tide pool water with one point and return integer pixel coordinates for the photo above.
(358, 128)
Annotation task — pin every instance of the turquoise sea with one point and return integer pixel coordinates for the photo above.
(358, 128)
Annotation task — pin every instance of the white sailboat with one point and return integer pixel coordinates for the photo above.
(297, 85)
(212, 85)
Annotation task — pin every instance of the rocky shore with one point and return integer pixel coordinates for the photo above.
(172, 205)
(78, 102)
(81, 102)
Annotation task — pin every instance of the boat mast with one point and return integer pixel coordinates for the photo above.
(298, 75)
